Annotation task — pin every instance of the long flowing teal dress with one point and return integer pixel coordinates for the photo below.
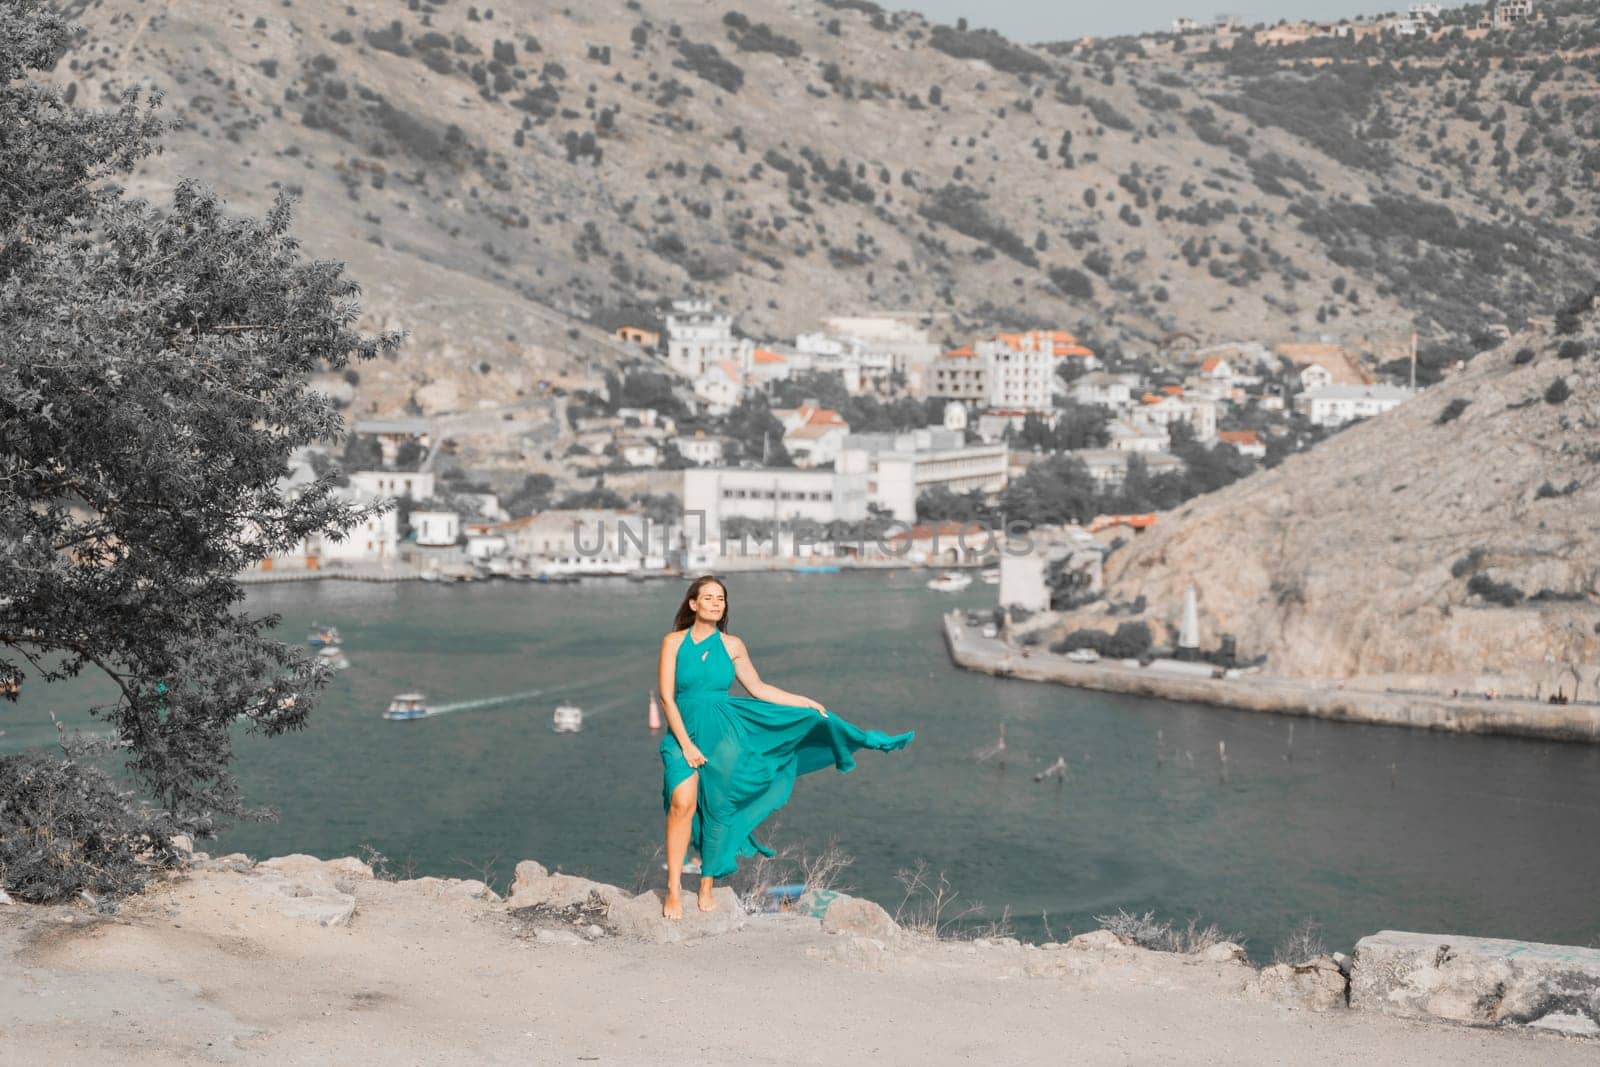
(754, 750)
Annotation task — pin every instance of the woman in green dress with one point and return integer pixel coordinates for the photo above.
(729, 761)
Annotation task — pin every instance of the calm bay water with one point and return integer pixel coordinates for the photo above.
(1365, 828)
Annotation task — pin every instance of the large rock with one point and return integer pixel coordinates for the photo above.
(536, 886)
(300, 865)
(457, 889)
(640, 917)
(1478, 980)
(844, 914)
(1317, 984)
(312, 900)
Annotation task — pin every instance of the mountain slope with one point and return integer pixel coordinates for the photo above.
(1452, 535)
(828, 155)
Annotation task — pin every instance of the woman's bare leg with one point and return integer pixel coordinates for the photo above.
(680, 819)
(707, 901)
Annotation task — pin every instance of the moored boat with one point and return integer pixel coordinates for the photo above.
(568, 719)
(407, 706)
(950, 582)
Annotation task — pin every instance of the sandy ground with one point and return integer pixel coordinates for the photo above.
(205, 968)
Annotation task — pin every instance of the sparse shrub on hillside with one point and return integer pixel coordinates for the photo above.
(1107, 115)
(1502, 593)
(960, 208)
(1558, 392)
(1524, 356)
(704, 61)
(391, 38)
(1571, 349)
(988, 46)
(1452, 410)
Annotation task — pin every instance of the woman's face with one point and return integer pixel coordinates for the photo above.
(710, 603)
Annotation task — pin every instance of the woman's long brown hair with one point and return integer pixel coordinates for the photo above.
(685, 617)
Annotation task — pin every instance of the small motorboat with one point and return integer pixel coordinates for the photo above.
(322, 635)
(333, 656)
(990, 575)
(950, 582)
(816, 568)
(407, 706)
(568, 719)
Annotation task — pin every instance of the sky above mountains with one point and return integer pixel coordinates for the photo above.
(1032, 21)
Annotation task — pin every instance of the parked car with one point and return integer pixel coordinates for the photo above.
(991, 630)
(1083, 655)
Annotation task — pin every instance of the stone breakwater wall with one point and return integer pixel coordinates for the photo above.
(1345, 702)
(1474, 981)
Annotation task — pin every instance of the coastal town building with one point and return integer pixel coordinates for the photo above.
(382, 485)
(946, 543)
(698, 338)
(959, 374)
(1145, 437)
(812, 435)
(586, 541)
(1315, 376)
(1025, 576)
(861, 368)
(768, 366)
(1109, 466)
(720, 387)
(375, 539)
(1165, 408)
(436, 529)
(1020, 368)
(902, 466)
(700, 448)
(639, 453)
(773, 494)
(392, 433)
(878, 350)
(1335, 405)
(638, 335)
(1509, 14)
(1246, 442)
(1104, 389)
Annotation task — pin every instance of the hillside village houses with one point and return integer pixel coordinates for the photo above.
(812, 435)
(1335, 405)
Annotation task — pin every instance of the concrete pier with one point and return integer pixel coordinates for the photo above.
(1342, 701)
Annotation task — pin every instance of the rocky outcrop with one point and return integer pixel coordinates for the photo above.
(1480, 981)
(1403, 545)
(1319, 984)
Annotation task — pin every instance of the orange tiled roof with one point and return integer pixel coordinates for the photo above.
(812, 431)
(1172, 390)
(1239, 437)
(764, 355)
(1211, 364)
(1138, 522)
(964, 352)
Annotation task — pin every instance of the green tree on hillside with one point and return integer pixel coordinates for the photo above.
(154, 378)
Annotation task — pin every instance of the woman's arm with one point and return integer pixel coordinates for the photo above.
(745, 671)
(667, 682)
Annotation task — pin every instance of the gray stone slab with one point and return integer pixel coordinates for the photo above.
(1478, 980)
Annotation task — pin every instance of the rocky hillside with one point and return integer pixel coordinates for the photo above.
(1452, 535)
(498, 177)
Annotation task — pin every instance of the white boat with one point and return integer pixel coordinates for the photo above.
(333, 656)
(407, 706)
(990, 575)
(568, 719)
(950, 582)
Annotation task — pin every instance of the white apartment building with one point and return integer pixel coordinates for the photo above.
(959, 374)
(1165, 409)
(1020, 372)
(374, 540)
(1335, 405)
(773, 494)
(700, 449)
(1128, 436)
(1109, 467)
(588, 541)
(720, 387)
(1106, 390)
(436, 529)
(698, 337)
(379, 485)
(903, 466)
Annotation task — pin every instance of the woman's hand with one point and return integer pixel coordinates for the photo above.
(816, 707)
(693, 756)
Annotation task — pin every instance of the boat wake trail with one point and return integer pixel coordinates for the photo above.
(509, 698)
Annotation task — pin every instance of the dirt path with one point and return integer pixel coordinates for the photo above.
(210, 968)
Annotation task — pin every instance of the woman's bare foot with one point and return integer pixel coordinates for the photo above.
(672, 907)
(707, 901)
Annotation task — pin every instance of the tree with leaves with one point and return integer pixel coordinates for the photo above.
(154, 379)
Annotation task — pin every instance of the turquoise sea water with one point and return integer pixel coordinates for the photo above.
(1365, 828)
